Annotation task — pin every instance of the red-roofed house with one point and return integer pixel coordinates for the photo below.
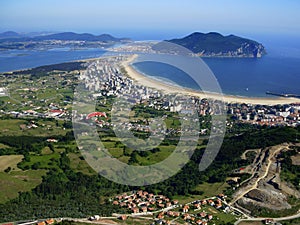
(135, 210)
(202, 214)
(185, 208)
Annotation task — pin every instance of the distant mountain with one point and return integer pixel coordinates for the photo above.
(65, 36)
(79, 37)
(10, 34)
(216, 45)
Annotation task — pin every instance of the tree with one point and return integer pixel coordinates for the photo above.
(133, 158)
(7, 170)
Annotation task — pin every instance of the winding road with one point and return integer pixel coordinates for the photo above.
(261, 176)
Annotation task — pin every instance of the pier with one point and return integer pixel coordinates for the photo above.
(283, 95)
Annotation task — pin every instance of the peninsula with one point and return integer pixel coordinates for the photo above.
(214, 44)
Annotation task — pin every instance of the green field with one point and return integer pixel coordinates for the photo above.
(18, 181)
(46, 151)
(209, 190)
(250, 223)
(18, 127)
(43, 161)
(10, 161)
(225, 217)
(153, 158)
(78, 164)
(3, 146)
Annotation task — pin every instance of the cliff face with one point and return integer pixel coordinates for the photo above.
(216, 45)
(250, 50)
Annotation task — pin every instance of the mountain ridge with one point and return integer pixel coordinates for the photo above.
(214, 44)
(67, 36)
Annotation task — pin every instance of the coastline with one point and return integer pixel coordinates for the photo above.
(175, 89)
(172, 89)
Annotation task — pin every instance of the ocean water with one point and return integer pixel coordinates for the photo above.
(277, 72)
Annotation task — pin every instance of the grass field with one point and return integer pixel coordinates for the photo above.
(46, 151)
(18, 181)
(80, 165)
(12, 127)
(7, 100)
(226, 217)
(3, 146)
(250, 223)
(153, 158)
(46, 161)
(116, 151)
(209, 190)
(10, 161)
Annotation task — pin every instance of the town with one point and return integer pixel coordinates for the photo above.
(107, 78)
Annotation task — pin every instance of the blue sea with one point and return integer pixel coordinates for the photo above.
(238, 76)
(278, 71)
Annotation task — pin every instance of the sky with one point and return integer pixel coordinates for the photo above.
(155, 19)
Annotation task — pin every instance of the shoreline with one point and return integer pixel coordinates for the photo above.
(172, 89)
(175, 89)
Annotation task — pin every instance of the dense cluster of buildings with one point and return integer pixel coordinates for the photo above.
(143, 203)
(57, 113)
(277, 115)
(3, 92)
(46, 222)
(138, 47)
(56, 43)
(104, 78)
(165, 211)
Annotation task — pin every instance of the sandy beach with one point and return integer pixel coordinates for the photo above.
(167, 88)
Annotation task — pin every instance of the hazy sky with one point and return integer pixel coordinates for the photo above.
(149, 19)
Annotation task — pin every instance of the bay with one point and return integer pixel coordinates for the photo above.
(238, 76)
(23, 59)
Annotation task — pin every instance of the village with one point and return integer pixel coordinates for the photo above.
(166, 211)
